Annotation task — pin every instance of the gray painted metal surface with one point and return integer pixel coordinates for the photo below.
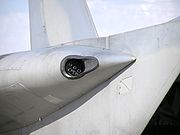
(32, 85)
(126, 109)
(115, 98)
(125, 103)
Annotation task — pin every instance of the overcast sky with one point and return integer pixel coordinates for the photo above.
(14, 26)
(114, 16)
(110, 17)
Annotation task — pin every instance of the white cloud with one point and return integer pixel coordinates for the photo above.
(14, 26)
(14, 32)
(114, 16)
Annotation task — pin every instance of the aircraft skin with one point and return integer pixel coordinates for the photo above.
(122, 81)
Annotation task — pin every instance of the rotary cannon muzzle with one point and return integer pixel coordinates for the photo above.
(74, 67)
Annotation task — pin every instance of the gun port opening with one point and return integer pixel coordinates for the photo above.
(74, 67)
